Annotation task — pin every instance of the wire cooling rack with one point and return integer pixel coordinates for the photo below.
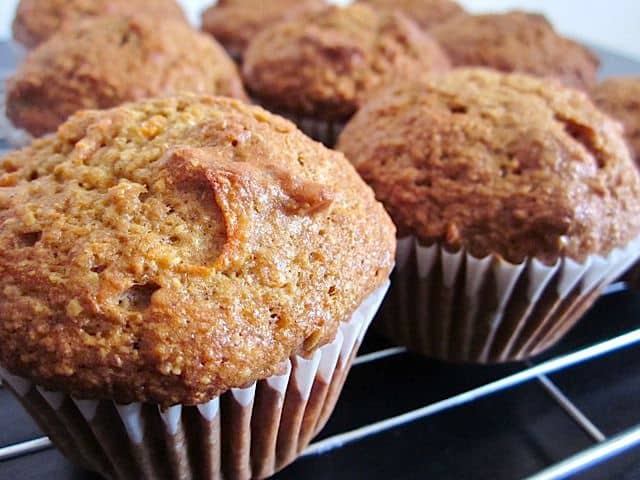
(401, 416)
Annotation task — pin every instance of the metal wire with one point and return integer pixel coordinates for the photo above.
(550, 366)
(591, 456)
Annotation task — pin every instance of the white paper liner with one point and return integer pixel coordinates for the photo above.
(245, 433)
(457, 307)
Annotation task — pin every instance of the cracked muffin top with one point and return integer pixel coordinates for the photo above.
(37, 20)
(325, 64)
(101, 63)
(171, 249)
(498, 163)
(426, 13)
(620, 98)
(235, 22)
(517, 42)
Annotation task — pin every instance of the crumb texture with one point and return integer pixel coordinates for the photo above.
(168, 250)
(620, 98)
(498, 163)
(235, 22)
(325, 64)
(101, 63)
(37, 20)
(517, 42)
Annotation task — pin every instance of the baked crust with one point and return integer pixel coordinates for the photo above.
(37, 20)
(101, 63)
(168, 250)
(620, 98)
(325, 64)
(426, 13)
(495, 163)
(517, 42)
(235, 22)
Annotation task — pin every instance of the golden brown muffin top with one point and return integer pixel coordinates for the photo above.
(426, 13)
(37, 20)
(620, 98)
(517, 42)
(498, 163)
(103, 62)
(235, 22)
(325, 64)
(168, 250)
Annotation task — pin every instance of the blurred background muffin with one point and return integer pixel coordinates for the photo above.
(620, 98)
(516, 202)
(102, 62)
(517, 42)
(426, 13)
(235, 22)
(320, 67)
(37, 20)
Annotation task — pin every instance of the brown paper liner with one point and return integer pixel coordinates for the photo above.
(323, 131)
(245, 433)
(455, 307)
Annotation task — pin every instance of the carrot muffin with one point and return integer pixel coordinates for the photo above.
(191, 252)
(319, 68)
(37, 20)
(103, 62)
(517, 42)
(235, 22)
(426, 13)
(620, 98)
(516, 201)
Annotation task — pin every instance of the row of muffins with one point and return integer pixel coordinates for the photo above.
(175, 251)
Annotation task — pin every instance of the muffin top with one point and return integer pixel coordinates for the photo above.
(426, 13)
(235, 22)
(103, 62)
(495, 163)
(325, 64)
(620, 98)
(171, 249)
(517, 42)
(37, 20)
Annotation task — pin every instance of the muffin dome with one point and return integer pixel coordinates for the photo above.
(498, 163)
(37, 20)
(101, 63)
(517, 42)
(326, 64)
(169, 250)
(426, 13)
(235, 22)
(620, 98)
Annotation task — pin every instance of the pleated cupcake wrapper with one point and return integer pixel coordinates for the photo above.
(456, 307)
(320, 130)
(245, 433)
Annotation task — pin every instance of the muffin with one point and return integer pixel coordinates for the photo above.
(37, 20)
(620, 98)
(103, 62)
(319, 68)
(517, 42)
(183, 285)
(426, 13)
(235, 22)
(516, 202)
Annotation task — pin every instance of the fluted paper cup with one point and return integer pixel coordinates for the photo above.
(456, 307)
(245, 433)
